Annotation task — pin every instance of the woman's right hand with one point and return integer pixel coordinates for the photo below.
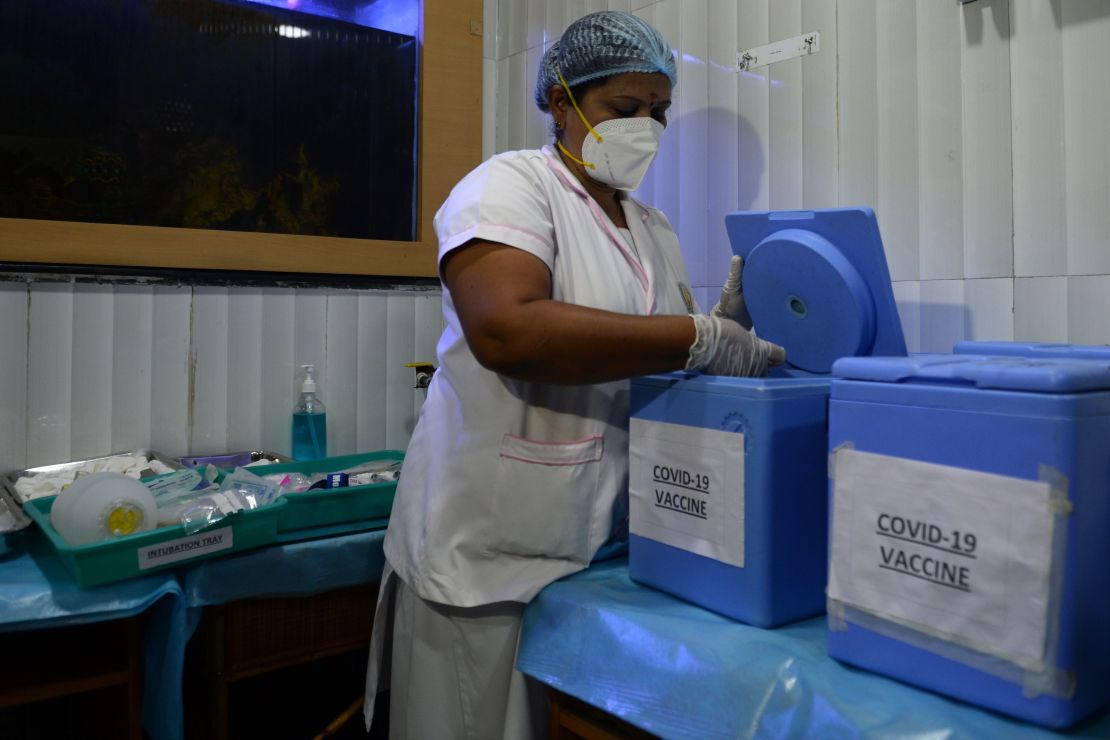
(724, 347)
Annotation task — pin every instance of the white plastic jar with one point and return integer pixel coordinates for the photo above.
(103, 506)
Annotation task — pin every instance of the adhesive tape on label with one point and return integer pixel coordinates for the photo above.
(102, 506)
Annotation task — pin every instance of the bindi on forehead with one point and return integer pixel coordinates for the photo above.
(654, 96)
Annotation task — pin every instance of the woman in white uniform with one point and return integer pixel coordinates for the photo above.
(558, 287)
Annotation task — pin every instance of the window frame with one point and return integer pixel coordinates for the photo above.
(449, 144)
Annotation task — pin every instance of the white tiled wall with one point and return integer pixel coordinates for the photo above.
(89, 369)
(977, 132)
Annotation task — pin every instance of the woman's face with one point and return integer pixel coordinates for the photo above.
(627, 95)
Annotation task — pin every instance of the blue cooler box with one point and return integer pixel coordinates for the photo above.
(969, 532)
(1043, 350)
(728, 476)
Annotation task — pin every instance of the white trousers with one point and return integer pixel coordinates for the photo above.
(450, 670)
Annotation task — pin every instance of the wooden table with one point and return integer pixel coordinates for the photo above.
(79, 681)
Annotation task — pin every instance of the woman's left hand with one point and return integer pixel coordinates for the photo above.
(731, 304)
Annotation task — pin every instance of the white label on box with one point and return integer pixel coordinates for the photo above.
(185, 548)
(957, 554)
(686, 488)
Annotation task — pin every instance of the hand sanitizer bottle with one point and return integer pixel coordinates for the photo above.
(310, 425)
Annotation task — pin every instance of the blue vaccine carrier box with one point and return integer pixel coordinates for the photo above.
(728, 476)
(970, 499)
(1042, 350)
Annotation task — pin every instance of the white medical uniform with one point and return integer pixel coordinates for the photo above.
(509, 485)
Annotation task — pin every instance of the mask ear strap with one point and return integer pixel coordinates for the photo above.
(575, 104)
(563, 149)
(578, 111)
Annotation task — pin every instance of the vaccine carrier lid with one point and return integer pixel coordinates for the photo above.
(1030, 374)
(816, 282)
(1042, 350)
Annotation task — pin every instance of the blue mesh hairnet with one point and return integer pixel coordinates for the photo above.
(601, 44)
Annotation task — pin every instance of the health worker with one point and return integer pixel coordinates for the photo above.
(558, 287)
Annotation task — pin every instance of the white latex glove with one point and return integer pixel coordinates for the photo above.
(723, 347)
(731, 303)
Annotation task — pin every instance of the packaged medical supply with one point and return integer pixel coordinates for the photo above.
(242, 490)
(363, 504)
(255, 489)
(291, 482)
(49, 480)
(11, 516)
(176, 485)
(374, 466)
(382, 476)
(246, 459)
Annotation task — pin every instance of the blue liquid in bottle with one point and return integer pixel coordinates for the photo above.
(310, 436)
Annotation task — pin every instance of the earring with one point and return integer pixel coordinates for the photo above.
(559, 126)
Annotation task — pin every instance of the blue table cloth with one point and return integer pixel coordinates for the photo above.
(297, 569)
(36, 592)
(680, 671)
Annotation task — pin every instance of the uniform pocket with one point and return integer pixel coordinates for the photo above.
(544, 497)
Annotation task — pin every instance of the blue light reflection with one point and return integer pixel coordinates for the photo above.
(652, 648)
(397, 16)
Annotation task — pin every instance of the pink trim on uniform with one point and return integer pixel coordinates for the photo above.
(534, 461)
(604, 222)
(519, 230)
(592, 438)
(525, 450)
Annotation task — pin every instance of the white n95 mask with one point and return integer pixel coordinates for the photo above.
(618, 152)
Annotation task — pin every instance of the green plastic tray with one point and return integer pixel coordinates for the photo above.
(157, 549)
(327, 507)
